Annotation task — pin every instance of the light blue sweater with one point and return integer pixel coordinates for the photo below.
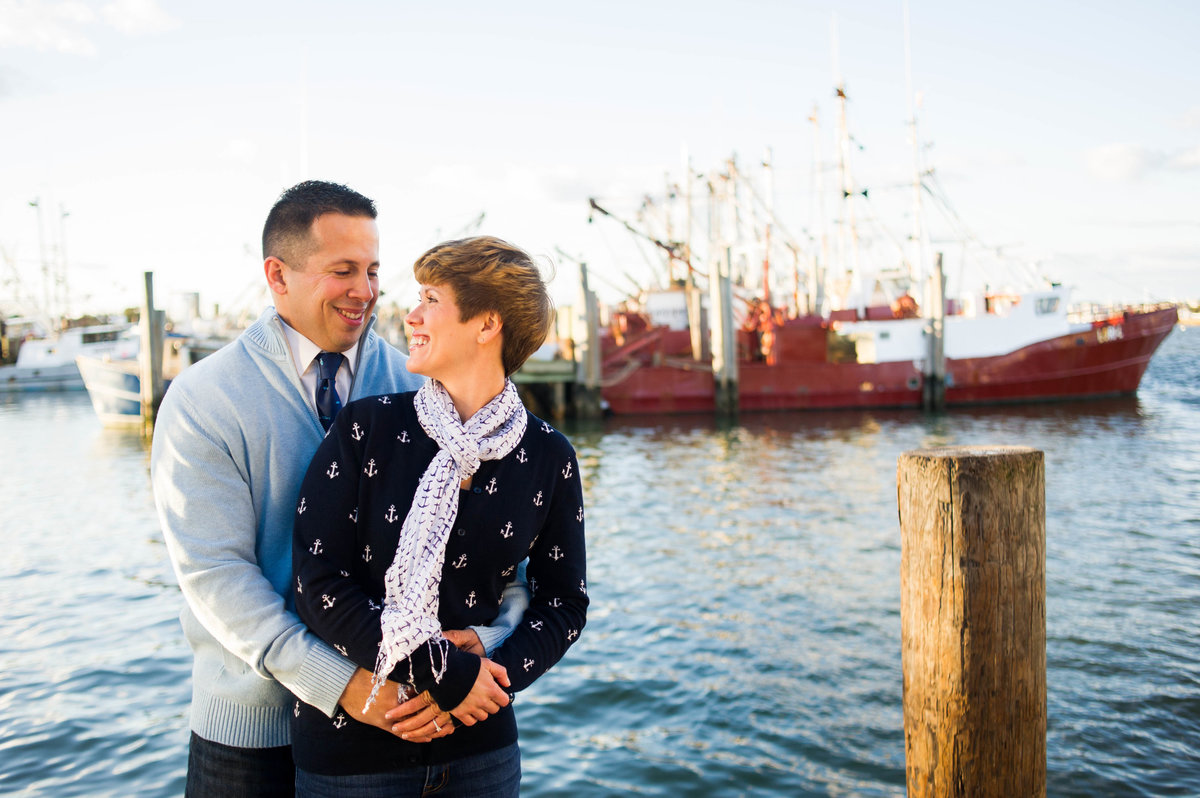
(233, 439)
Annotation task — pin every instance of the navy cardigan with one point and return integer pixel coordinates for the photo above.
(352, 505)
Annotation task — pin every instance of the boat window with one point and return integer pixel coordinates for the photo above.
(1047, 304)
(98, 337)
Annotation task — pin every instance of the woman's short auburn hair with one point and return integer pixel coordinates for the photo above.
(489, 274)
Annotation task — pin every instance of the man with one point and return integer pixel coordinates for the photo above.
(233, 440)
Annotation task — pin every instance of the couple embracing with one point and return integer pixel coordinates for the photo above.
(366, 586)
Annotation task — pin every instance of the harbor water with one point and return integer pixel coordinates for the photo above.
(744, 636)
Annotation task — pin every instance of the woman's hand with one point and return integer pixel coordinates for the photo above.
(488, 695)
(420, 719)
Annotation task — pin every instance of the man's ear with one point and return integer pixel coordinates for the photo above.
(276, 271)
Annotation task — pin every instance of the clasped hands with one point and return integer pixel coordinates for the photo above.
(419, 719)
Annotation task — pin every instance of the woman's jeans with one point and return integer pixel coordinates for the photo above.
(495, 774)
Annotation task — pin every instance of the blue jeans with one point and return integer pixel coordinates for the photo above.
(496, 774)
(222, 771)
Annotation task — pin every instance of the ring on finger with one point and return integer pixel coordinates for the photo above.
(435, 723)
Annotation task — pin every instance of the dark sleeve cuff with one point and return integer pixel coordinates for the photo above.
(457, 681)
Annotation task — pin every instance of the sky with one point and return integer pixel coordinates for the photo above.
(1066, 135)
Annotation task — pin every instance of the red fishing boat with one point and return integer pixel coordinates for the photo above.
(829, 333)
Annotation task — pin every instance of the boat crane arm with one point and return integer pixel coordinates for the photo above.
(672, 248)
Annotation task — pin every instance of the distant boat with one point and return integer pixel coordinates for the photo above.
(48, 363)
(114, 384)
(1025, 348)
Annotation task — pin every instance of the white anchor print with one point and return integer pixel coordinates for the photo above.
(299, 587)
(506, 531)
(345, 574)
(296, 709)
(579, 515)
(546, 427)
(403, 437)
(461, 562)
(370, 469)
(391, 515)
(317, 548)
(367, 554)
(354, 515)
(301, 508)
(582, 587)
(566, 472)
(385, 400)
(332, 471)
(532, 585)
(528, 665)
(571, 635)
(537, 500)
(327, 601)
(521, 458)
(339, 721)
(556, 554)
(491, 486)
(356, 432)
(509, 571)
(554, 602)
(341, 650)
(371, 605)
(536, 625)
(471, 599)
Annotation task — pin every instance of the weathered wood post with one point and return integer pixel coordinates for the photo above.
(150, 359)
(933, 394)
(724, 336)
(973, 620)
(587, 353)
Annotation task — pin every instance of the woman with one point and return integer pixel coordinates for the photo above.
(415, 513)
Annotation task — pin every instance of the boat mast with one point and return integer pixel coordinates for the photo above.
(917, 258)
(848, 231)
(766, 286)
(817, 273)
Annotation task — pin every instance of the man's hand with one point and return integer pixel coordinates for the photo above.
(465, 640)
(487, 696)
(354, 698)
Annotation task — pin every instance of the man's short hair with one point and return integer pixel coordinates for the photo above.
(287, 233)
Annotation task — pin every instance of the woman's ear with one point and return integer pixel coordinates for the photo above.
(490, 328)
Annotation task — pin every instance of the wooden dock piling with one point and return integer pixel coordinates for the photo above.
(151, 357)
(973, 621)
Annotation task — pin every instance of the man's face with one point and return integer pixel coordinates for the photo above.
(329, 297)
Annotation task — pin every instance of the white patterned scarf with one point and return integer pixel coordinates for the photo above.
(410, 607)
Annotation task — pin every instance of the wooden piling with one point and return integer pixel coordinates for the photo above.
(933, 394)
(724, 336)
(973, 621)
(150, 359)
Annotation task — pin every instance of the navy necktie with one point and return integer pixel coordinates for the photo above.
(328, 402)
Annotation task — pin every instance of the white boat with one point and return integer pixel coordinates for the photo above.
(48, 363)
(114, 384)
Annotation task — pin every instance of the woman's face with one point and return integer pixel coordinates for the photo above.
(438, 341)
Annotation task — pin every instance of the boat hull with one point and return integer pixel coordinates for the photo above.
(1104, 360)
(18, 379)
(115, 390)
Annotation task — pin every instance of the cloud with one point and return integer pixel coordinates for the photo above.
(1123, 162)
(46, 26)
(1186, 160)
(138, 17)
(1189, 119)
(66, 26)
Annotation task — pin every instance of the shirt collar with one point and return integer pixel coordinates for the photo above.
(305, 351)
